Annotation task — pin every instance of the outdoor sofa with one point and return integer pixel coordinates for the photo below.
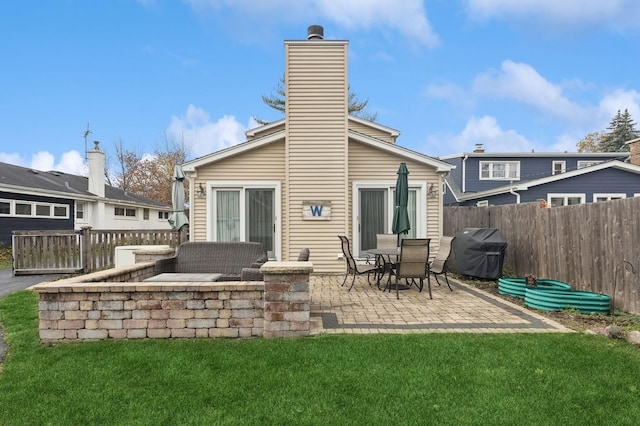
(224, 259)
(254, 274)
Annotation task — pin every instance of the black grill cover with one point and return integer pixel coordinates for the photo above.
(479, 252)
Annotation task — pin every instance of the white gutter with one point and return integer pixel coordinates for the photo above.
(464, 173)
(515, 193)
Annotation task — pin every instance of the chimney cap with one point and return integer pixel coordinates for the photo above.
(479, 148)
(315, 32)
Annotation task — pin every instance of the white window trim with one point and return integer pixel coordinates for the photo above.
(483, 203)
(125, 217)
(421, 211)
(491, 163)
(242, 186)
(11, 207)
(608, 196)
(583, 197)
(33, 204)
(588, 163)
(563, 167)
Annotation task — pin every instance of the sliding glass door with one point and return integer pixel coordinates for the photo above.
(245, 214)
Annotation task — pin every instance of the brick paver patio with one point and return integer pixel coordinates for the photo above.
(365, 309)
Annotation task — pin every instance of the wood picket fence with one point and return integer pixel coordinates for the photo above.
(594, 247)
(86, 250)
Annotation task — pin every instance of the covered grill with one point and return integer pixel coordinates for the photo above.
(479, 252)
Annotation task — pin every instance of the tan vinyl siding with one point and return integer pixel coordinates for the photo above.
(262, 164)
(367, 163)
(316, 132)
(371, 131)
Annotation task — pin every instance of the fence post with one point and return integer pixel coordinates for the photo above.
(85, 248)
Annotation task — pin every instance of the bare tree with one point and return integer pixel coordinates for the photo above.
(149, 175)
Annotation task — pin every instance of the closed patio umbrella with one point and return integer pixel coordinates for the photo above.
(401, 223)
(178, 219)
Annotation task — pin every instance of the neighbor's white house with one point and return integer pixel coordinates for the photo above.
(51, 200)
(316, 174)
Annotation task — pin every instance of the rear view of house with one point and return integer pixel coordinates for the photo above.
(318, 173)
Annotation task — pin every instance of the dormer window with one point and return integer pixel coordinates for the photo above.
(499, 170)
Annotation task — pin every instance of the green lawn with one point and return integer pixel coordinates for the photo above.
(523, 379)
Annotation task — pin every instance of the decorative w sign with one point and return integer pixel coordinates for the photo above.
(316, 210)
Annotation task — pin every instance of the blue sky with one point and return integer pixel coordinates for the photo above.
(513, 75)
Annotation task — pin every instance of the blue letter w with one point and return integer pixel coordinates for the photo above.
(316, 210)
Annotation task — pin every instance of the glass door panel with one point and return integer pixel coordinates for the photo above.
(373, 217)
(260, 218)
(227, 215)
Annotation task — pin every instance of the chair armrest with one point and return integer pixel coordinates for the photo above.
(251, 274)
(165, 265)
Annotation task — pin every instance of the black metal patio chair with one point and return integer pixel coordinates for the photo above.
(439, 264)
(352, 268)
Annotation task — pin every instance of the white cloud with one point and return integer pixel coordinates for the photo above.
(204, 136)
(11, 158)
(484, 130)
(574, 13)
(71, 162)
(619, 100)
(451, 92)
(522, 82)
(408, 17)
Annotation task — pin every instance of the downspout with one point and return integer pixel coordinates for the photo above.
(464, 173)
(511, 190)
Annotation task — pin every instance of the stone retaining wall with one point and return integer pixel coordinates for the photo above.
(107, 305)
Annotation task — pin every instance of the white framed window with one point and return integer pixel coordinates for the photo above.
(584, 163)
(23, 209)
(80, 211)
(499, 170)
(145, 214)
(558, 200)
(607, 197)
(163, 215)
(245, 211)
(124, 212)
(558, 167)
(34, 209)
(483, 203)
(6, 207)
(373, 205)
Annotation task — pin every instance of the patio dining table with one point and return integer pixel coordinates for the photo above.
(385, 255)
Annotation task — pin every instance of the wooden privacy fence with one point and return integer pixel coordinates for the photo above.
(585, 245)
(87, 250)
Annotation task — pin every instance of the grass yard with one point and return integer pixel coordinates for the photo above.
(5, 257)
(457, 379)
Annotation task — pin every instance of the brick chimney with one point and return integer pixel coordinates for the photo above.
(479, 149)
(634, 151)
(95, 161)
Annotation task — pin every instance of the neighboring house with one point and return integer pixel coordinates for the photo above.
(481, 178)
(316, 174)
(37, 200)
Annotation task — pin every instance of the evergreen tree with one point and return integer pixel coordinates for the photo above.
(621, 129)
(356, 106)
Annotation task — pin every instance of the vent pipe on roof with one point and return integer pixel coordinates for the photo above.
(315, 32)
(479, 149)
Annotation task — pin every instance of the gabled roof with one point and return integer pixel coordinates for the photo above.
(525, 185)
(274, 124)
(611, 155)
(440, 166)
(64, 185)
